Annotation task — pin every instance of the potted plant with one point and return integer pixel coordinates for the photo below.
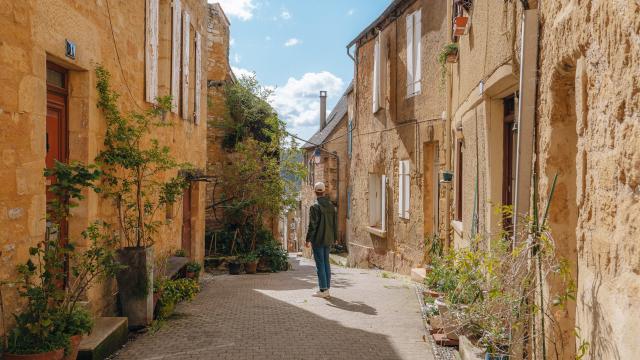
(175, 291)
(448, 54)
(192, 269)
(250, 261)
(460, 25)
(276, 258)
(135, 176)
(447, 176)
(234, 266)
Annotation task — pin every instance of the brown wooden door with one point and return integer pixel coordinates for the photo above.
(186, 221)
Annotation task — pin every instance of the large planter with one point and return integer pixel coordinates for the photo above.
(74, 347)
(51, 355)
(234, 268)
(251, 267)
(135, 285)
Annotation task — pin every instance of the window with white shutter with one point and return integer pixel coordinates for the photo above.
(377, 201)
(414, 61)
(198, 69)
(176, 33)
(376, 75)
(404, 188)
(186, 27)
(151, 50)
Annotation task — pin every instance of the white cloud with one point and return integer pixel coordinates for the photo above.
(351, 12)
(268, 38)
(240, 72)
(242, 9)
(285, 14)
(232, 41)
(298, 101)
(292, 42)
(237, 58)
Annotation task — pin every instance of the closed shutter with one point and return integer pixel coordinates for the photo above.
(404, 189)
(383, 203)
(151, 51)
(410, 78)
(186, 27)
(376, 75)
(198, 90)
(401, 188)
(417, 62)
(176, 26)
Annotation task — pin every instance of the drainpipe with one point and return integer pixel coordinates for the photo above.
(526, 114)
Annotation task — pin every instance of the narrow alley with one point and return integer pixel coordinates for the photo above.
(272, 316)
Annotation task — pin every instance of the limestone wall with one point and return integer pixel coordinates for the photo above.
(397, 132)
(34, 32)
(589, 131)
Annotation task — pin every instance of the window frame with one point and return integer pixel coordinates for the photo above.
(404, 188)
(414, 53)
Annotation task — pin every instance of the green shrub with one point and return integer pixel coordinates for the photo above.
(277, 257)
(193, 266)
(173, 292)
(181, 253)
(248, 257)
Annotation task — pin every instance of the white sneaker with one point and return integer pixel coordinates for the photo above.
(322, 294)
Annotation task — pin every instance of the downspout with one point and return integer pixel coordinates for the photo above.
(526, 115)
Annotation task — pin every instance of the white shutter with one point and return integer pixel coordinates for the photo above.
(406, 178)
(376, 75)
(186, 27)
(417, 40)
(410, 77)
(151, 51)
(383, 203)
(401, 189)
(176, 26)
(198, 91)
(374, 200)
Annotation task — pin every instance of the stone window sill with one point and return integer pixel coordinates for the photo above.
(376, 231)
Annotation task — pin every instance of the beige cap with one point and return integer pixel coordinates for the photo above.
(319, 187)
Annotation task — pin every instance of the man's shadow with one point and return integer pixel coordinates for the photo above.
(355, 306)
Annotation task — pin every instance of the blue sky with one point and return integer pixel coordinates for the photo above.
(298, 47)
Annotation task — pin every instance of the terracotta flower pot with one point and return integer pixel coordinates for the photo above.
(74, 348)
(453, 57)
(251, 267)
(460, 25)
(51, 355)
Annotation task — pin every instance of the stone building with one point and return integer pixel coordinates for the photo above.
(49, 51)
(588, 132)
(398, 133)
(326, 156)
(219, 74)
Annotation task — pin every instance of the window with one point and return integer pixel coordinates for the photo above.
(376, 75)
(459, 181)
(414, 67)
(176, 32)
(404, 189)
(151, 50)
(377, 201)
(186, 27)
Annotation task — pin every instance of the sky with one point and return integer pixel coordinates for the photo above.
(298, 47)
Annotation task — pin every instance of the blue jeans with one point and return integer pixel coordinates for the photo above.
(321, 256)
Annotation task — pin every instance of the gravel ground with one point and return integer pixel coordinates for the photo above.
(440, 352)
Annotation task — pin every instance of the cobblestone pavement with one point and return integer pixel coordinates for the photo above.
(273, 316)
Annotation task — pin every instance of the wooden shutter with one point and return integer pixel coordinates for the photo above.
(383, 203)
(151, 51)
(198, 70)
(410, 78)
(376, 74)
(374, 200)
(404, 189)
(417, 41)
(186, 27)
(176, 26)
(401, 188)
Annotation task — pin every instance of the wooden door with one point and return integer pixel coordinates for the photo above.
(186, 221)
(430, 188)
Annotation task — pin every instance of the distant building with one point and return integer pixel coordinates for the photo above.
(326, 156)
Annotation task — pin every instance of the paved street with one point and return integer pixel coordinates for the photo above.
(273, 316)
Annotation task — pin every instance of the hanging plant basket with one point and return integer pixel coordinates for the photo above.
(452, 57)
(460, 25)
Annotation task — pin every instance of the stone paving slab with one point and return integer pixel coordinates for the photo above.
(273, 316)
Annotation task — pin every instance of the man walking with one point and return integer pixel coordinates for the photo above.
(321, 235)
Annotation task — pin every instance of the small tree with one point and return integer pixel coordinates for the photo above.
(135, 166)
(252, 187)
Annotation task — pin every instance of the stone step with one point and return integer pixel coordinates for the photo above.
(418, 275)
(108, 336)
(338, 259)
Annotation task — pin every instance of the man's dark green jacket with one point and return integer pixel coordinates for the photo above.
(322, 223)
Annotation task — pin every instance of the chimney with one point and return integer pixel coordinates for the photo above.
(323, 109)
